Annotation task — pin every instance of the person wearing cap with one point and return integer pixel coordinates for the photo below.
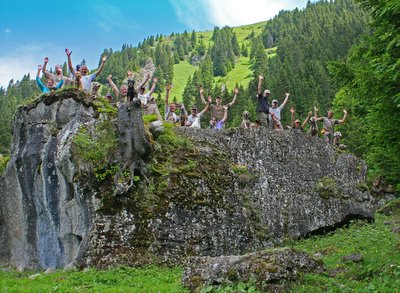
(194, 118)
(263, 105)
(276, 123)
(86, 80)
(57, 76)
(296, 124)
(329, 124)
(218, 110)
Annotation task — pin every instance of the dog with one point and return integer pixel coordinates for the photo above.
(77, 82)
(131, 90)
(94, 89)
(245, 120)
(313, 127)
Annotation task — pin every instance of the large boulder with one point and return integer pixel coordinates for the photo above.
(267, 269)
(194, 193)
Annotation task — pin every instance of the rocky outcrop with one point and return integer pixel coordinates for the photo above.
(199, 193)
(266, 269)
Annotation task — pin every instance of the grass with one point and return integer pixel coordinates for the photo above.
(181, 75)
(123, 279)
(377, 243)
(241, 74)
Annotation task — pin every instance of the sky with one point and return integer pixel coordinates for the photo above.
(32, 30)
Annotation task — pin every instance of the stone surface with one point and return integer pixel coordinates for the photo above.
(227, 192)
(266, 269)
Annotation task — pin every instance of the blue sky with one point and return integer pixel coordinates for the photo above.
(32, 30)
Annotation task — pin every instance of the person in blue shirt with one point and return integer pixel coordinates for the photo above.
(49, 85)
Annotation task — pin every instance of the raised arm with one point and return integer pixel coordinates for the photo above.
(167, 90)
(285, 100)
(316, 114)
(344, 116)
(103, 62)
(38, 81)
(260, 79)
(201, 91)
(153, 86)
(292, 110)
(70, 66)
(45, 72)
(305, 120)
(113, 86)
(144, 81)
(236, 91)
(205, 109)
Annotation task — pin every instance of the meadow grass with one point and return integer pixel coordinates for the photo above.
(123, 279)
(182, 71)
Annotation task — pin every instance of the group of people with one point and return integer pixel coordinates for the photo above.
(79, 76)
(268, 116)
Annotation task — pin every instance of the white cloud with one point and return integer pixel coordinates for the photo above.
(25, 60)
(7, 31)
(230, 12)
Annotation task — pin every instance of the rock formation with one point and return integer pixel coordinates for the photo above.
(199, 193)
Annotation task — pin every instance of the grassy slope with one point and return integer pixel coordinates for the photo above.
(182, 71)
(241, 74)
(378, 272)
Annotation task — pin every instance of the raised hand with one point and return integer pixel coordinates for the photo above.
(316, 109)
(260, 77)
(201, 90)
(236, 91)
(310, 113)
(209, 99)
(109, 77)
(129, 73)
(168, 87)
(148, 76)
(104, 58)
(68, 52)
(46, 60)
(345, 111)
(155, 79)
(40, 67)
(292, 110)
(287, 95)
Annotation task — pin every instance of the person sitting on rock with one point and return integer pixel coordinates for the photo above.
(50, 83)
(296, 124)
(329, 124)
(194, 118)
(214, 124)
(218, 110)
(86, 79)
(170, 115)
